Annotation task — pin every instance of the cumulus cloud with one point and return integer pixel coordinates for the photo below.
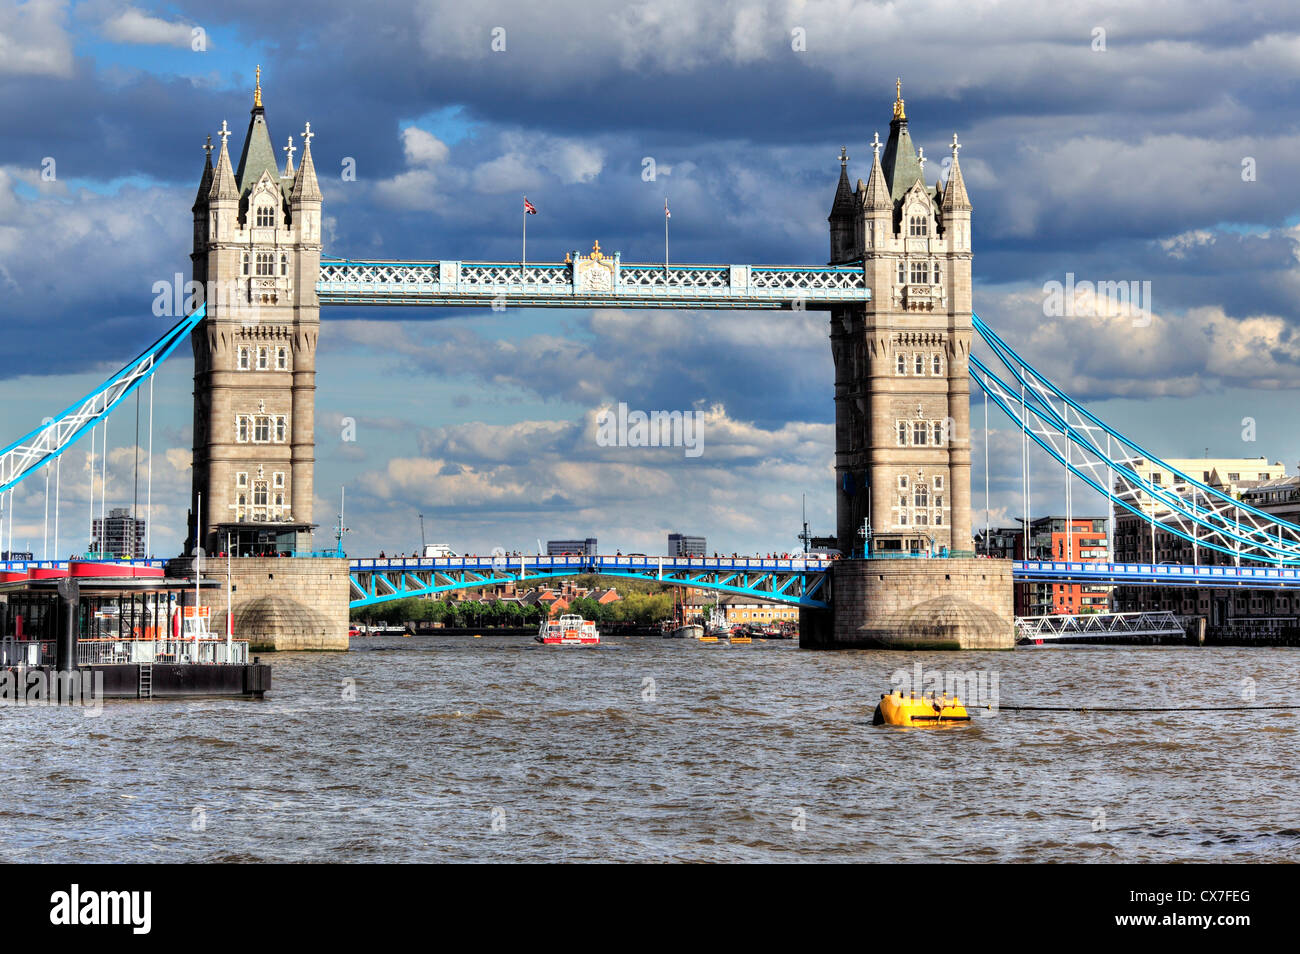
(133, 25)
(33, 41)
(503, 485)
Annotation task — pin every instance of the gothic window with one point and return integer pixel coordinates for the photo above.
(920, 273)
(265, 216)
(936, 273)
(241, 427)
(902, 273)
(241, 480)
(902, 484)
(259, 493)
(282, 359)
(921, 496)
(266, 264)
(243, 358)
(279, 500)
(936, 363)
(920, 433)
(918, 225)
(938, 502)
(919, 363)
(871, 234)
(263, 361)
(902, 518)
(279, 480)
(902, 364)
(902, 433)
(262, 429)
(243, 261)
(938, 518)
(938, 483)
(284, 266)
(922, 518)
(281, 428)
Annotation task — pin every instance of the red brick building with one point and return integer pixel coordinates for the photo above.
(1049, 539)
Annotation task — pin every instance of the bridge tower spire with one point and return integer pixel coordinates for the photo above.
(257, 245)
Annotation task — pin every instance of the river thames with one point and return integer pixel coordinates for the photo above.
(496, 749)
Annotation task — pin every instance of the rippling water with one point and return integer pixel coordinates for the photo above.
(496, 749)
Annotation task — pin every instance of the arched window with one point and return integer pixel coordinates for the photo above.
(902, 273)
(936, 273)
(918, 225)
(265, 264)
(920, 273)
(265, 216)
(936, 364)
(920, 433)
(243, 261)
(282, 359)
(902, 364)
(919, 363)
(903, 430)
(921, 496)
(284, 266)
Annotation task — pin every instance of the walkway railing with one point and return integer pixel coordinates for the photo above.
(171, 650)
(588, 281)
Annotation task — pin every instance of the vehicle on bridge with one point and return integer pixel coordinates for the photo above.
(438, 550)
(569, 630)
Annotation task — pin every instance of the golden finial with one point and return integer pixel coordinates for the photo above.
(257, 91)
(898, 99)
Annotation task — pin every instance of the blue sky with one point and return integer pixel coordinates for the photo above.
(1117, 164)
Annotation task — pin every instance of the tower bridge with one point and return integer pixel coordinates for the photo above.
(897, 293)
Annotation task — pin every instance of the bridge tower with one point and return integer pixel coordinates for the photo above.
(902, 394)
(902, 416)
(257, 244)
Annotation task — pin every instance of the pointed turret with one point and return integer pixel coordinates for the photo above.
(205, 181)
(841, 217)
(955, 198)
(900, 163)
(877, 198)
(843, 204)
(223, 179)
(305, 186)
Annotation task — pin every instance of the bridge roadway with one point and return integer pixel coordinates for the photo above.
(794, 580)
(595, 281)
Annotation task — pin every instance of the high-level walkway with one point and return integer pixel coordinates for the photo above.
(595, 281)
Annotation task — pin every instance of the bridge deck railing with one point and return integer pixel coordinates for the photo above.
(561, 283)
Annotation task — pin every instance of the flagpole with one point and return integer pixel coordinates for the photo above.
(665, 238)
(523, 261)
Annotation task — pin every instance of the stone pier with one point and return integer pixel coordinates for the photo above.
(914, 604)
(280, 603)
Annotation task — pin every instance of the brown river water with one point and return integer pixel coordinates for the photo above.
(458, 749)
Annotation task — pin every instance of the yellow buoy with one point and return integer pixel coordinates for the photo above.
(935, 709)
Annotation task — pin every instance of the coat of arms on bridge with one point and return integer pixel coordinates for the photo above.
(594, 273)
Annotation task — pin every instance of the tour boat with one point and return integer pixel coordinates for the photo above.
(569, 630)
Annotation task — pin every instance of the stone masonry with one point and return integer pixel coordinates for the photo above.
(319, 586)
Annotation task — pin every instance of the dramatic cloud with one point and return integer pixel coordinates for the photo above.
(33, 41)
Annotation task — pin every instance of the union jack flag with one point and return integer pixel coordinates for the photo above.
(529, 208)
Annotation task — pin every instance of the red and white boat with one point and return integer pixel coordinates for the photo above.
(569, 630)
